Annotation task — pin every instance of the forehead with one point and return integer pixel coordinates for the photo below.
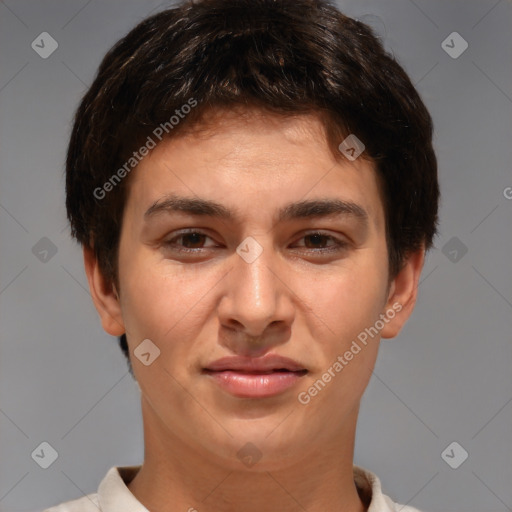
(253, 159)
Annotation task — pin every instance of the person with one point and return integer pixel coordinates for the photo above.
(254, 186)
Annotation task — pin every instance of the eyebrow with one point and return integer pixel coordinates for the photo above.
(313, 208)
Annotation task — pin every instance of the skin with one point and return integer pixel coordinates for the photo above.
(304, 298)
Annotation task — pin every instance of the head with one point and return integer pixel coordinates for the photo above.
(229, 117)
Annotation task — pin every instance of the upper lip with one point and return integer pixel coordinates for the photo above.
(267, 363)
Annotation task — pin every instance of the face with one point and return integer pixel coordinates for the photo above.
(256, 263)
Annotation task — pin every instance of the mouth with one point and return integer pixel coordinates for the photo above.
(255, 377)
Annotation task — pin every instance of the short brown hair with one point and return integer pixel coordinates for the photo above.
(285, 56)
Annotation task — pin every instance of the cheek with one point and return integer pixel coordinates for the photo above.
(349, 301)
(164, 303)
(352, 304)
(348, 346)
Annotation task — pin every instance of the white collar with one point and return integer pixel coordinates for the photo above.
(114, 495)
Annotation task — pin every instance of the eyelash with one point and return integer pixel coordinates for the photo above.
(339, 244)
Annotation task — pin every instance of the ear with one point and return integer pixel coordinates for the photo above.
(402, 295)
(104, 295)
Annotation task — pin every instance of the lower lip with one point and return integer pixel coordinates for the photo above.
(252, 385)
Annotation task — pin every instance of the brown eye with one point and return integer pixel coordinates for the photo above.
(321, 244)
(316, 241)
(189, 241)
(192, 240)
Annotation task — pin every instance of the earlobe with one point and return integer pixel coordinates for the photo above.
(104, 295)
(402, 294)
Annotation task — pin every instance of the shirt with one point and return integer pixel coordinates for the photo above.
(114, 496)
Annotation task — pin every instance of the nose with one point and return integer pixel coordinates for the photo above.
(256, 310)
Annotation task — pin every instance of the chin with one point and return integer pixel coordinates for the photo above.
(258, 447)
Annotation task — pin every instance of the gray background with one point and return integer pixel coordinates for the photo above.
(446, 378)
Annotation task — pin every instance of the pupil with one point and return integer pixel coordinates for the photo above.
(193, 239)
(316, 239)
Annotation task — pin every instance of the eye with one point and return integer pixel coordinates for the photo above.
(196, 242)
(192, 240)
(322, 242)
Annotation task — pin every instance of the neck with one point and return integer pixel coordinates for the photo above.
(317, 479)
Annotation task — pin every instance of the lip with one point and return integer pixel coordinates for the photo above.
(249, 377)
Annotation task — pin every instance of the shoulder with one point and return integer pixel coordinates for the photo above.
(112, 494)
(369, 488)
(88, 503)
(405, 508)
